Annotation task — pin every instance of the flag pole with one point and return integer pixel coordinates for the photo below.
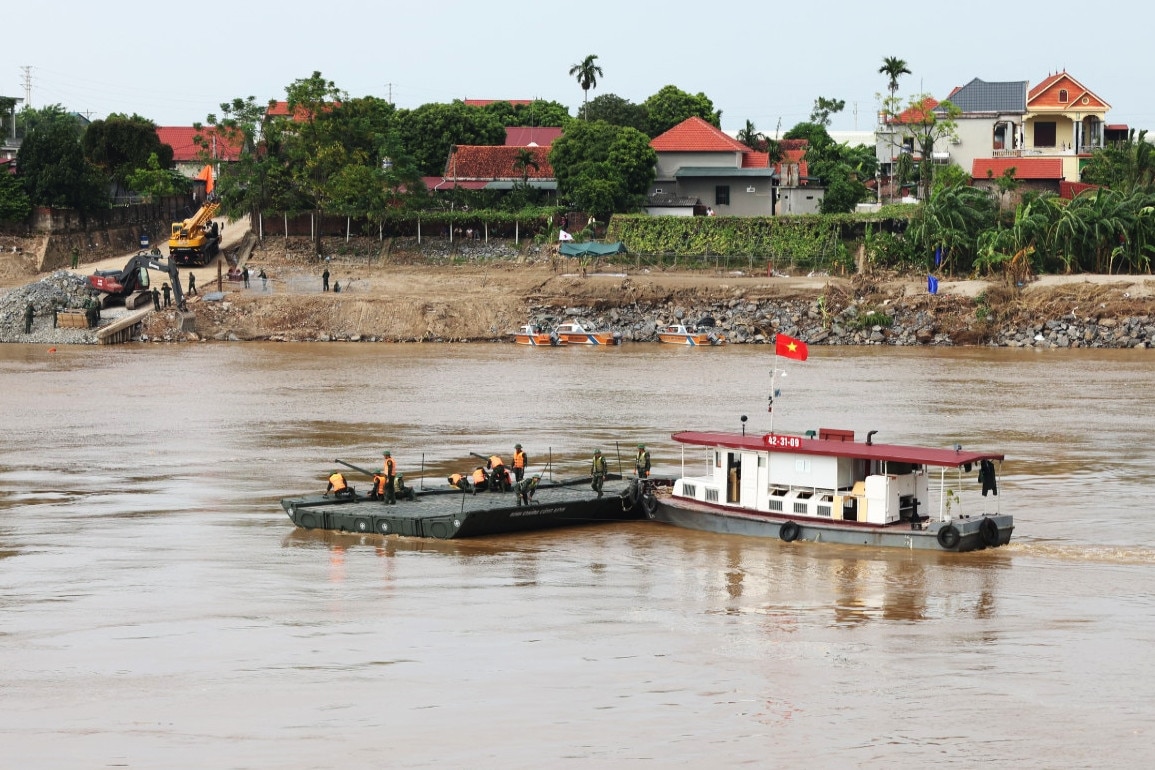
(773, 374)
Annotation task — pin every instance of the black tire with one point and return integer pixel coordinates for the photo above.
(948, 537)
(789, 531)
(361, 525)
(989, 533)
(383, 526)
(649, 504)
(308, 521)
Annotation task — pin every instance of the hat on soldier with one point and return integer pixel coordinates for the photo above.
(386, 453)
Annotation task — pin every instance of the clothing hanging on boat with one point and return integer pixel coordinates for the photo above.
(987, 477)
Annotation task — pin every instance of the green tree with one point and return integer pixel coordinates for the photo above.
(824, 108)
(539, 112)
(1126, 167)
(14, 203)
(587, 74)
(615, 110)
(602, 168)
(671, 105)
(925, 124)
(155, 181)
(752, 137)
(244, 186)
(951, 219)
(429, 131)
(523, 162)
(52, 166)
(122, 144)
(894, 68)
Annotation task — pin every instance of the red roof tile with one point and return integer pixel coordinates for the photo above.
(696, 135)
(281, 110)
(524, 136)
(753, 159)
(1025, 168)
(184, 150)
(495, 162)
(1046, 94)
(1069, 190)
(916, 113)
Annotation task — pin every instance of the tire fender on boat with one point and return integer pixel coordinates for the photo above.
(383, 526)
(649, 504)
(789, 531)
(948, 537)
(361, 525)
(308, 521)
(989, 533)
(631, 495)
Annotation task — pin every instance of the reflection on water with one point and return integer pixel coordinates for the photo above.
(144, 562)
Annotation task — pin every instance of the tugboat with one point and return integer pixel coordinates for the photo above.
(679, 334)
(830, 488)
(533, 336)
(575, 334)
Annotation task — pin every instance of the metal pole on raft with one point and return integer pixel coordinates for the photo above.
(423, 470)
(773, 374)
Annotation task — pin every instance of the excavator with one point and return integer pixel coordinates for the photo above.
(196, 240)
(131, 283)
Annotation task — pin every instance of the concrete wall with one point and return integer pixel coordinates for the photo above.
(670, 162)
(742, 203)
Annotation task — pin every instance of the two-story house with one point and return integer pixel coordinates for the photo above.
(701, 168)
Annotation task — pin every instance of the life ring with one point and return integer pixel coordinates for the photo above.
(649, 504)
(989, 533)
(789, 531)
(308, 520)
(948, 537)
(383, 526)
(361, 525)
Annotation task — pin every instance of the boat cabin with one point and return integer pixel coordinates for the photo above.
(824, 476)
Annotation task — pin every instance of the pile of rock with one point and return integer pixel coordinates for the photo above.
(58, 291)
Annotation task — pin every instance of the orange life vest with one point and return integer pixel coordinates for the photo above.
(495, 461)
(379, 481)
(455, 479)
(390, 467)
(519, 459)
(338, 482)
(479, 476)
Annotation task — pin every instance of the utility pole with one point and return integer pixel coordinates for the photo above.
(27, 84)
(389, 86)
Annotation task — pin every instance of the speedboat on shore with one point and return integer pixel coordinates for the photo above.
(535, 337)
(830, 488)
(575, 334)
(680, 334)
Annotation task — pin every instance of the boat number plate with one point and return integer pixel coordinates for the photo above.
(790, 442)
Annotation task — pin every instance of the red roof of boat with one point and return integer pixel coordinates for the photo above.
(782, 442)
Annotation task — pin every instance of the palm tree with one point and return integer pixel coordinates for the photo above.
(894, 68)
(751, 137)
(587, 74)
(523, 162)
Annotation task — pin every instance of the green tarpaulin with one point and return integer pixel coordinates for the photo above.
(571, 249)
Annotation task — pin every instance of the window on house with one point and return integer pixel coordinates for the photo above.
(1063, 95)
(722, 195)
(1045, 134)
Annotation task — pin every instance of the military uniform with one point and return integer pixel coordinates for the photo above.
(598, 472)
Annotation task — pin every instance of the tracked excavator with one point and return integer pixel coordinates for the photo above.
(131, 285)
(196, 240)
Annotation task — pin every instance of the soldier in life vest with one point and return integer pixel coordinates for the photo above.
(402, 491)
(480, 479)
(642, 462)
(459, 481)
(519, 462)
(380, 481)
(597, 472)
(389, 469)
(338, 486)
(497, 474)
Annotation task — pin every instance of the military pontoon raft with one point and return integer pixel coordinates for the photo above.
(447, 512)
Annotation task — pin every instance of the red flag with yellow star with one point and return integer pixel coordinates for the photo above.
(790, 347)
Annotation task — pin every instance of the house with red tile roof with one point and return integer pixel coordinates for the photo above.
(701, 168)
(483, 167)
(1045, 132)
(531, 136)
(186, 153)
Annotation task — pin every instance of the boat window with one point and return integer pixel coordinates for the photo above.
(711, 495)
(778, 492)
(761, 461)
(775, 505)
(802, 465)
(802, 508)
(824, 510)
(717, 459)
(689, 490)
(805, 495)
(900, 469)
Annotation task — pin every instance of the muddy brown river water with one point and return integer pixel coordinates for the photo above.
(157, 609)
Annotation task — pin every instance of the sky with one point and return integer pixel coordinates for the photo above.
(765, 63)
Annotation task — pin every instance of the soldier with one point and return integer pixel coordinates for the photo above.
(338, 486)
(167, 292)
(459, 481)
(29, 314)
(90, 312)
(597, 472)
(192, 285)
(264, 280)
(519, 462)
(155, 299)
(402, 491)
(389, 469)
(245, 276)
(325, 280)
(497, 476)
(525, 489)
(75, 257)
(480, 479)
(642, 462)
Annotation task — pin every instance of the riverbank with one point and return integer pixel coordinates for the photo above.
(478, 292)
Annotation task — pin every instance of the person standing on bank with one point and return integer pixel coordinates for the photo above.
(155, 299)
(264, 280)
(519, 462)
(598, 472)
(642, 462)
(192, 285)
(245, 276)
(325, 280)
(167, 292)
(75, 257)
(29, 314)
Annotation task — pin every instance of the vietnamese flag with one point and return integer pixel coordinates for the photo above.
(790, 347)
